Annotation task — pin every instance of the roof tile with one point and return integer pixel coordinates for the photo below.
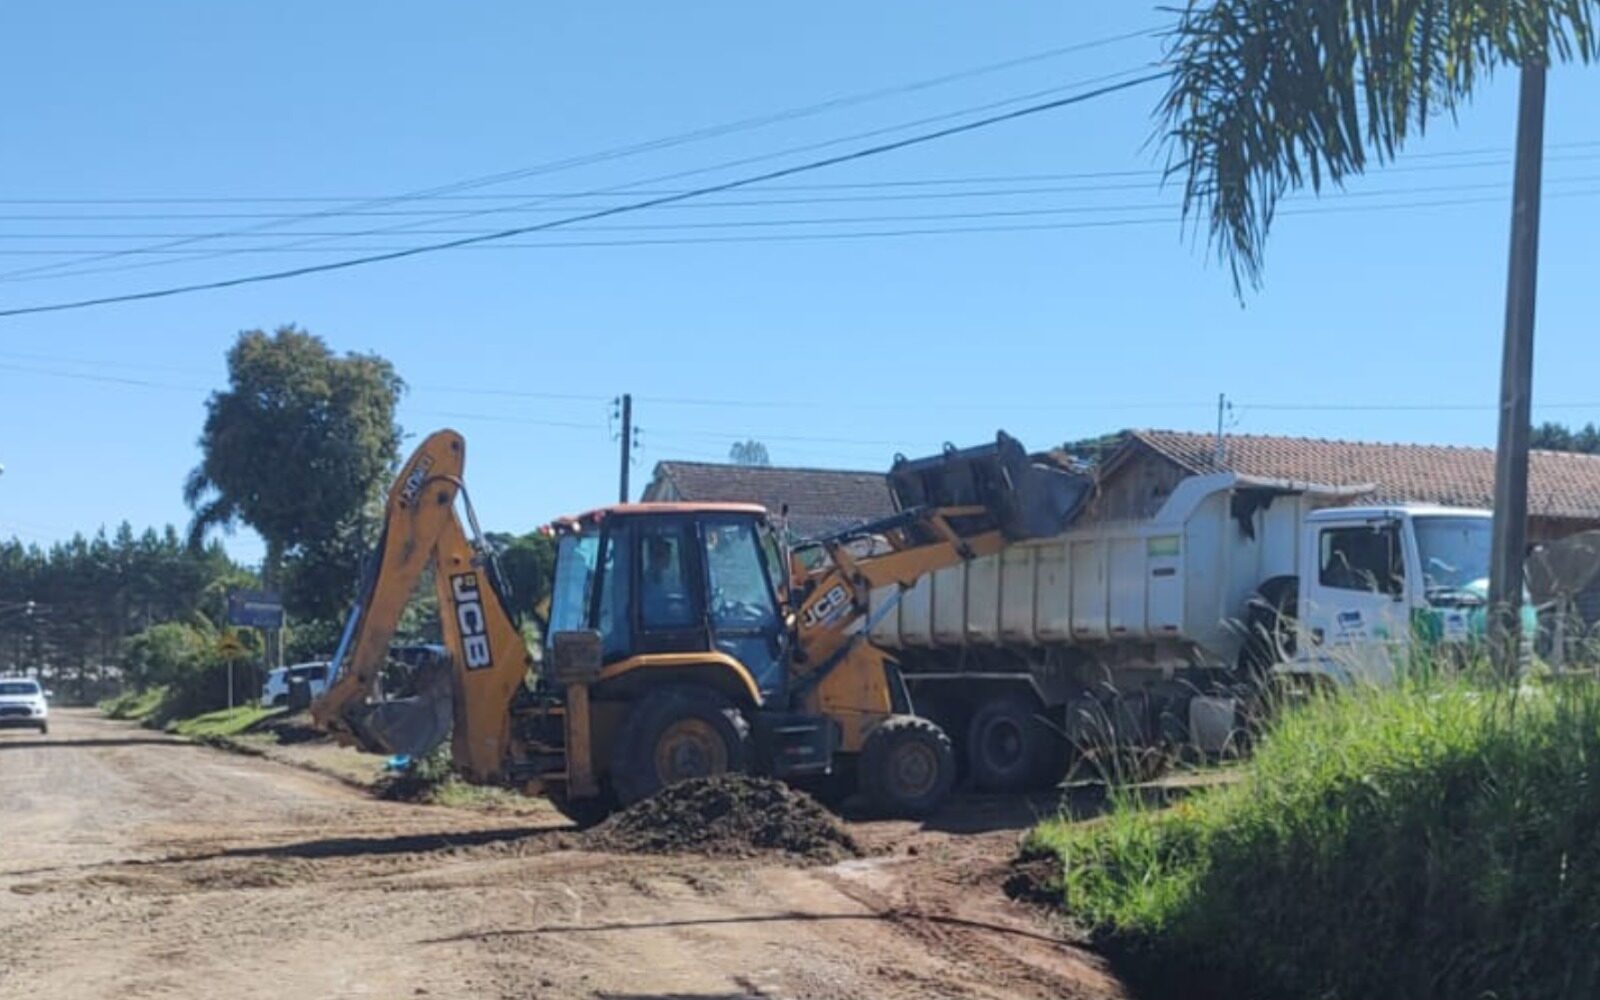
(1560, 484)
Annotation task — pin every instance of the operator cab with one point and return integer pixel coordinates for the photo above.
(675, 578)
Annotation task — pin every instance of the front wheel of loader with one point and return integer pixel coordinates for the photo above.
(907, 767)
(675, 733)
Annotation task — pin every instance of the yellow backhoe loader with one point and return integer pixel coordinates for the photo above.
(682, 639)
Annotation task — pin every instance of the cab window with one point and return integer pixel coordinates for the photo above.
(665, 595)
(739, 587)
(1365, 558)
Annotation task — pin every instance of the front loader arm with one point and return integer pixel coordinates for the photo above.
(488, 656)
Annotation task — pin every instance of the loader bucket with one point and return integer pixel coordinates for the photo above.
(1023, 498)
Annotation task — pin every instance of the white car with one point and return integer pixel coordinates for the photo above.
(23, 704)
(276, 689)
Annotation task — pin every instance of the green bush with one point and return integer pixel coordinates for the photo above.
(1434, 841)
(189, 664)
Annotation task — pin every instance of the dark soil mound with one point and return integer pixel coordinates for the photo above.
(733, 815)
(291, 728)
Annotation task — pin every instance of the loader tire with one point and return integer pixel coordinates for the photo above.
(1010, 749)
(907, 767)
(583, 813)
(674, 733)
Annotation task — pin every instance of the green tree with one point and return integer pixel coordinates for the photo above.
(1560, 437)
(749, 452)
(1270, 97)
(528, 564)
(298, 447)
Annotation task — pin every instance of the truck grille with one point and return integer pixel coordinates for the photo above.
(12, 711)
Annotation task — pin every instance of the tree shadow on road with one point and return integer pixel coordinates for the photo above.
(41, 743)
(790, 916)
(411, 843)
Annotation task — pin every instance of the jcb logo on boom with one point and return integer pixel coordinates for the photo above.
(828, 609)
(414, 480)
(470, 620)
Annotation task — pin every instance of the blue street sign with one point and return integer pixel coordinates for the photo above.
(255, 609)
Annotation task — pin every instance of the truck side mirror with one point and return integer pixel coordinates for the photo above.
(575, 656)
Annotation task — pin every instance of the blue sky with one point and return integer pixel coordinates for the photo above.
(835, 352)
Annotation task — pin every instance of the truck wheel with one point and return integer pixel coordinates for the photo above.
(1009, 749)
(1269, 628)
(676, 733)
(44, 729)
(907, 767)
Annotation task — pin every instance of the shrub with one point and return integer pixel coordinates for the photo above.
(190, 664)
(1433, 841)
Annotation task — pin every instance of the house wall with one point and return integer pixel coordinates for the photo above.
(660, 490)
(1135, 489)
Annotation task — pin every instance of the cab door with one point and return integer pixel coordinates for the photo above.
(669, 612)
(1353, 603)
(741, 603)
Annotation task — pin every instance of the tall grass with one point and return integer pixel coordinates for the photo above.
(1439, 840)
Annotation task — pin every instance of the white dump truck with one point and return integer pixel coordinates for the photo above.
(1154, 630)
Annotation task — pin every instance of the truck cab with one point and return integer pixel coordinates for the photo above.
(1380, 585)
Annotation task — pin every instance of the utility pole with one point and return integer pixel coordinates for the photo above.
(627, 446)
(1221, 455)
(1510, 536)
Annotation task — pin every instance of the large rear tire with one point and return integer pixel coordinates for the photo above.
(675, 733)
(1010, 749)
(907, 767)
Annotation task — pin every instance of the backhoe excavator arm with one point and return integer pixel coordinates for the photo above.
(489, 659)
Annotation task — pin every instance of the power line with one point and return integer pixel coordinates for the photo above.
(979, 193)
(789, 171)
(629, 187)
(1499, 159)
(682, 138)
(493, 241)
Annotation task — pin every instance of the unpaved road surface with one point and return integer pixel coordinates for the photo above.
(134, 866)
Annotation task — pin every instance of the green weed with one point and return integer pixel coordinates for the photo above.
(1432, 841)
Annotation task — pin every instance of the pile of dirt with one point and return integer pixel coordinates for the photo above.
(733, 815)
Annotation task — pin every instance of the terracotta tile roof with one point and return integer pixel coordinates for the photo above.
(1561, 484)
(820, 500)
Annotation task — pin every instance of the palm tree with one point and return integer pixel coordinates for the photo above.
(1271, 96)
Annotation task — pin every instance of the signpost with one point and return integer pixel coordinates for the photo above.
(262, 609)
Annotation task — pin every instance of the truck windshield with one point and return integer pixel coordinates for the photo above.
(1455, 557)
(574, 582)
(18, 687)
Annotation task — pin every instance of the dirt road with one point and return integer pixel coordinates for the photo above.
(135, 866)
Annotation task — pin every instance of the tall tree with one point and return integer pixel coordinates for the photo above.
(1559, 437)
(1270, 97)
(751, 452)
(298, 447)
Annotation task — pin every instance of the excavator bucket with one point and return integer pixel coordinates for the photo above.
(411, 726)
(1021, 497)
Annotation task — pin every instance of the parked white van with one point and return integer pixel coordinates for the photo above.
(276, 689)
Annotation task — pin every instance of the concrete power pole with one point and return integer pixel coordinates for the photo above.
(627, 446)
(1510, 539)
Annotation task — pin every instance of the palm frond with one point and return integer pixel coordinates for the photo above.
(1272, 96)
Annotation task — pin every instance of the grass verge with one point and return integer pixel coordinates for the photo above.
(134, 706)
(224, 723)
(1433, 841)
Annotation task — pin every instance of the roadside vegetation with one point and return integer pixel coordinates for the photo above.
(1432, 841)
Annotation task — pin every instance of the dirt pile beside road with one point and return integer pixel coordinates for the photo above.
(733, 815)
